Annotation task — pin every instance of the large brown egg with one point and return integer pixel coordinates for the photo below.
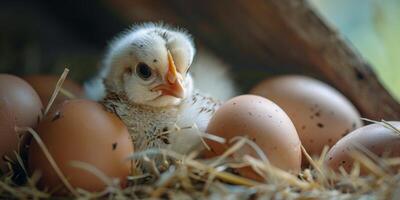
(263, 122)
(375, 138)
(320, 113)
(45, 85)
(82, 130)
(19, 106)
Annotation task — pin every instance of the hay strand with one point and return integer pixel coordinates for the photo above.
(49, 158)
(56, 90)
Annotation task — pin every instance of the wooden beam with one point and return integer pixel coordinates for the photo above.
(287, 35)
(283, 36)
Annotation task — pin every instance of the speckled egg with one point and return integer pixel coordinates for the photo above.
(320, 113)
(81, 130)
(263, 122)
(376, 138)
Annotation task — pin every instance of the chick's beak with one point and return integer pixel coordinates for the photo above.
(173, 85)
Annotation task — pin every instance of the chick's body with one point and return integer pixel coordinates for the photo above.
(146, 81)
(175, 128)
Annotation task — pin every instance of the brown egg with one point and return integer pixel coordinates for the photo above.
(320, 113)
(45, 85)
(19, 106)
(82, 130)
(263, 122)
(376, 138)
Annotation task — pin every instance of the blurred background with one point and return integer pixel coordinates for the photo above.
(44, 36)
(373, 27)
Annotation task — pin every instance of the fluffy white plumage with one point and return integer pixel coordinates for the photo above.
(148, 44)
(210, 74)
(145, 79)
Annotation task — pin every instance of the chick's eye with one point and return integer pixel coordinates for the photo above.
(143, 71)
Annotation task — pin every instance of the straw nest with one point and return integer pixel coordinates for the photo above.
(195, 178)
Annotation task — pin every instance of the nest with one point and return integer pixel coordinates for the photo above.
(195, 178)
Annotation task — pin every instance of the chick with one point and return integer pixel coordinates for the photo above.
(145, 80)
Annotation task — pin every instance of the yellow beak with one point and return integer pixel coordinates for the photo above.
(173, 87)
(171, 74)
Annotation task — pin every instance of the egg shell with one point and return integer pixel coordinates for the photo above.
(263, 122)
(376, 138)
(320, 113)
(19, 106)
(82, 130)
(44, 85)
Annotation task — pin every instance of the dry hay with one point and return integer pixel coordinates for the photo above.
(195, 178)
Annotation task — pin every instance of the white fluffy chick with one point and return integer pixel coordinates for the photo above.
(145, 80)
(212, 76)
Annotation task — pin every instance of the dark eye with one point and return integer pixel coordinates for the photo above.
(143, 71)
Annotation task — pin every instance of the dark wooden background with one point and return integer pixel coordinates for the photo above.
(258, 39)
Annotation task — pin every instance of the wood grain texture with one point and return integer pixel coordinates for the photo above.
(287, 35)
(283, 36)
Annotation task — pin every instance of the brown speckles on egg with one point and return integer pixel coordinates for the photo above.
(272, 130)
(114, 145)
(374, 137)
(303, 127)
(314, 104)
(57, 116)
(212, 150)
(80, 134)
(155, 60)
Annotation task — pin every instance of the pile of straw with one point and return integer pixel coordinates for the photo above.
(195, 178)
